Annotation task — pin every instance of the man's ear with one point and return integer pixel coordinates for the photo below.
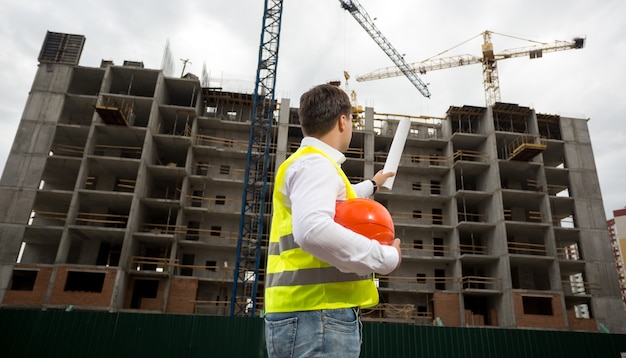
(342, 122)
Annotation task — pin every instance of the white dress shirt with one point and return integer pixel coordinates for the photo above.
(312, 188)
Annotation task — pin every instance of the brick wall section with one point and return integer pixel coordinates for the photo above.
(151, 304)
(556, 321)
(78, 298)
(447, 307)
(581, 324)
(183, 292)
(37, 295)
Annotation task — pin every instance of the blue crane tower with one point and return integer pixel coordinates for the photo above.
(252, 230)
(243, 300)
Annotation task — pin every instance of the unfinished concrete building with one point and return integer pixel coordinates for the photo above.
(122, 192)
(617, 233)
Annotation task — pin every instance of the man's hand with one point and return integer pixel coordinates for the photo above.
(380, 178)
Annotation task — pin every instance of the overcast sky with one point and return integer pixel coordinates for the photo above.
(319, 41)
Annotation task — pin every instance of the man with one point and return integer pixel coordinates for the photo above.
(319, 274)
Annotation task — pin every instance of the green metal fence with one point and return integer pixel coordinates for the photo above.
(31, 333)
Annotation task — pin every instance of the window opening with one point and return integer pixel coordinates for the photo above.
(193, 230)
(537, 305)
(188, 260)
(210, 265)
(440, 281)
(84, 281)
(23, 280)
(143, 289)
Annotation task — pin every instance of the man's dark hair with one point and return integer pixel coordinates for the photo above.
(320, 107)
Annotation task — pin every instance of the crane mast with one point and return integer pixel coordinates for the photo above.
(489, 61)
(253, 203)
(491, 80)
(361, 16)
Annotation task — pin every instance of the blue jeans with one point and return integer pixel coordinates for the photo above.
(322, 333)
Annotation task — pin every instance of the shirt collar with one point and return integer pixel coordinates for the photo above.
(336, 155)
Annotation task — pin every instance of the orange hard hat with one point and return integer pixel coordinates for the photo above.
(366, 217)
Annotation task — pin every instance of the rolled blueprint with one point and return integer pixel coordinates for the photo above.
(395, 152)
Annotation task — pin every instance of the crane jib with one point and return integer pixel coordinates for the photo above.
(361, 16)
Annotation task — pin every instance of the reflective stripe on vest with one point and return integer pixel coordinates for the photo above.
(304, 276)
(298, 281)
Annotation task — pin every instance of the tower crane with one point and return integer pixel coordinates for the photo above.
(243, 300)
(489, 61)
(361, 16)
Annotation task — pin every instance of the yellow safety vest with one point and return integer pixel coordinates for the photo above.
(298, 281)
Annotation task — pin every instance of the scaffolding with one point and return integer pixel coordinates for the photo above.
(526, 147)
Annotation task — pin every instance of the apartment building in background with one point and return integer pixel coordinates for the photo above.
(617, 234)
(122, 192)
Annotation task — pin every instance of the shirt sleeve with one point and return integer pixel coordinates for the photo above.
(313, 187)
(364, 189)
